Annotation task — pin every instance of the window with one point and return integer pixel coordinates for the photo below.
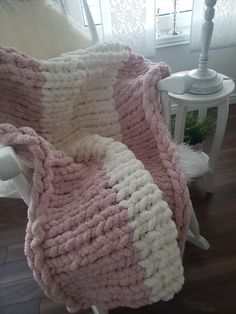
(173, 19)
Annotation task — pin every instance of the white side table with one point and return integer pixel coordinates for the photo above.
(201, 103)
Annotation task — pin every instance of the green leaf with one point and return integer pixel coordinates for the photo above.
(197, 131)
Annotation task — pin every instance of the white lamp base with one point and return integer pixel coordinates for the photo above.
(205, 82)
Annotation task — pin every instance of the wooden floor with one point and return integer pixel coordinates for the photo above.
(210, 285)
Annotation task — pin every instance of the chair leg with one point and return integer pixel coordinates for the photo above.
(194, 235)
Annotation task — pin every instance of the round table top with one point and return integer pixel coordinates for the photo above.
(228, 87)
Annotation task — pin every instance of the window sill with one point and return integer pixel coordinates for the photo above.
(172, 41)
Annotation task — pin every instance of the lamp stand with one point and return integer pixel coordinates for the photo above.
(206, 81)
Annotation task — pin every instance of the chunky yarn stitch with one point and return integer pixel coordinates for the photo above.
(109, 215)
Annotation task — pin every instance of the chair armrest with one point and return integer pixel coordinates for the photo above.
(10, 166)
(179, 83)
(12, 169)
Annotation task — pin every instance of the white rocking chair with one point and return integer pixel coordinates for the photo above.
(10, 167)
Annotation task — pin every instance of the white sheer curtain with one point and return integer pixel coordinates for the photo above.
(224, 33)
(131, 22)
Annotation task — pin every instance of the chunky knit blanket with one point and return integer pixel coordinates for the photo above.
(109, 206)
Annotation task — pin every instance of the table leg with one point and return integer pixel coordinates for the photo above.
(202, 112)
(222, 116)
(180, 123)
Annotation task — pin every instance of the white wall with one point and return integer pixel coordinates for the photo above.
(180, 58)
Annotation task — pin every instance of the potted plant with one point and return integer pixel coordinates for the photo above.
(197, 131)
